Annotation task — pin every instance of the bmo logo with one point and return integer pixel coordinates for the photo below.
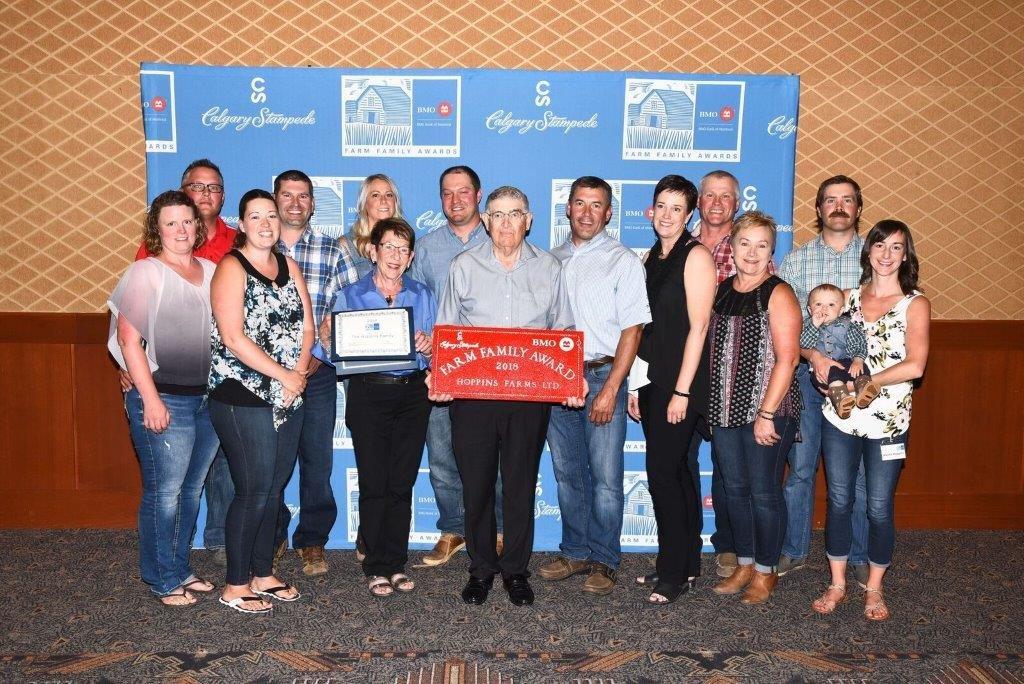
(566, 344)
(544, 343)
(442, 109)
(708, 504)
(157, 104)
(727, 114)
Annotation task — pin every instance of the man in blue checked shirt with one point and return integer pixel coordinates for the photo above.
(605, 282)
(326, 268)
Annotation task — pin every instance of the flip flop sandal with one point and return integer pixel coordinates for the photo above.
(236, 604)
(867, 389)
(400, 580)
(380, 586)
(274, 593)
(825, 606)
(876, 610)
(190, 583)
(184, 593)
(647, 580)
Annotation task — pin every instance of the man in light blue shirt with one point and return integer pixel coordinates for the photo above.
(605, 282)
(831, 257)
(460, 200)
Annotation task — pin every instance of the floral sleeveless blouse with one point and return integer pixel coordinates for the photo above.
(274, 321)
(888, 415)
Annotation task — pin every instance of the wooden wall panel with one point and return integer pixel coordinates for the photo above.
(66, 459)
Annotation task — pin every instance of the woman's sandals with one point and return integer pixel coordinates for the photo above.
(382, 586)
(178, 598)
(278, 593)
(875, 609)
(828, 601)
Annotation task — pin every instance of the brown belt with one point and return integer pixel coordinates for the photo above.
(598, 362)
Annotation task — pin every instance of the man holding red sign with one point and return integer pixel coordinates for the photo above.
(504, 283)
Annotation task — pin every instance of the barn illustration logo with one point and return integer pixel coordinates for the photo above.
(396, 116)
(682, 120)
(158, 113)
(638, 525)
(342, 437)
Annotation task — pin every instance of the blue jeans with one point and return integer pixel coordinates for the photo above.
(752, 475)
(799, 487)
(317, 508)
(174, 464)
(444, 475)
(219, 493)
(587, 461)
(721, 538)
(844, 455)
(261, 460)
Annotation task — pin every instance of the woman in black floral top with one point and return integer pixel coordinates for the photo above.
(261, 351)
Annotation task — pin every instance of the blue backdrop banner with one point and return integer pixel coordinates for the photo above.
(532, 129)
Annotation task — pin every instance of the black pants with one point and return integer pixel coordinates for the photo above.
(388, 424)
(671, 486)
(488, 436)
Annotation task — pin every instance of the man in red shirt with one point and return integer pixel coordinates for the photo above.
(203, 182)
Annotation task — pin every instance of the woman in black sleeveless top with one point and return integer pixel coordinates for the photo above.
(680, 286)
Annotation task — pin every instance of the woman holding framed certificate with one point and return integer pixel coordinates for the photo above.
(160, 335)
(261, 351)
(387, 411)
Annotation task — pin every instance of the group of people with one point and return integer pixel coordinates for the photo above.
(236, 355)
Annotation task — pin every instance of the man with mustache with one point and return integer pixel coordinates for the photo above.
(832, 257)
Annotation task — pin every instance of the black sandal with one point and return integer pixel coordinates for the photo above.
(669, 591)
(649, 580)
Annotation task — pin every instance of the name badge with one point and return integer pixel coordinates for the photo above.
(894, 452)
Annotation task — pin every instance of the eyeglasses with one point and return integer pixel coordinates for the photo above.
(200, 188)
(513, 215)
(390, 247)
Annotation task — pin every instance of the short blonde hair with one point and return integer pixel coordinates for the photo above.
(825, 287)
(754, 219)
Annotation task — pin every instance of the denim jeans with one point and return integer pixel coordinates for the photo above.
(174, 464)
(799, 486)
(219, 493)
(317, 509)
(721, 538)
(752, 475)
(844, 455)
(261, 460)
(444, 475)
(587, 460)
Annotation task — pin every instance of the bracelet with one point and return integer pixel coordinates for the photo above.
(681, 394)
(767, 415)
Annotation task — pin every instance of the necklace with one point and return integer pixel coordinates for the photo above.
(388, 293)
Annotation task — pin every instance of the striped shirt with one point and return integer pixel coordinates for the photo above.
(815, 263)
(607, 291)
(326, 268)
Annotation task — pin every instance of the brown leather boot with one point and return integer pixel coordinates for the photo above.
(734, 583)
(760, 588)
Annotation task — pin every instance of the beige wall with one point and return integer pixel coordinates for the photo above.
(922, 102)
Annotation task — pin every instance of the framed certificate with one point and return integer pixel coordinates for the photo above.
(373, 335)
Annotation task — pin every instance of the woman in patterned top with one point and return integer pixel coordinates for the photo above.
(895, 318)
(261, 352)
(755, 402)
(160, 335)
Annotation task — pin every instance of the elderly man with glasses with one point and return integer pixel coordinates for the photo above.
(505, 282)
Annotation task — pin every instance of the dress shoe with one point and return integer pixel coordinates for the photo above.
(562, 567)
(476, 590)
(601, 580)
(760, 588)
(447, 546)
(735, 583)
(520, 593)
(725, 564)
(788, 565)
(313, 560)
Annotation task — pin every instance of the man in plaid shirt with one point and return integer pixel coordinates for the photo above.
(326, 268)
(831, 257)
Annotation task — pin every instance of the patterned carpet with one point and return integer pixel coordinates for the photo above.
(75, 611)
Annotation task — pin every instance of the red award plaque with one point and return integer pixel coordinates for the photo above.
(517, 364)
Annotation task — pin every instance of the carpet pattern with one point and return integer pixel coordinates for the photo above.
(74, 610)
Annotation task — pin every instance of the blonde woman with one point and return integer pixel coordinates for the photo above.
(378, 199)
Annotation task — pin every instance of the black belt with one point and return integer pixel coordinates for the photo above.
(598, 362)
(387, 379)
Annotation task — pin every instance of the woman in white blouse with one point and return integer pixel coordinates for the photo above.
(895, 318)
(160, 334)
